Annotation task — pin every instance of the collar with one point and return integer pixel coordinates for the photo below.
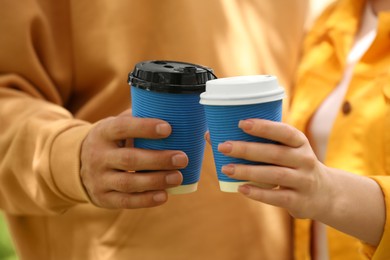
(346, 16)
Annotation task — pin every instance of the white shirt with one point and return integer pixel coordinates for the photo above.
(322, 121)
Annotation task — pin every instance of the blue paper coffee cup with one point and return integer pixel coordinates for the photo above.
(170, 91)
(229, 100)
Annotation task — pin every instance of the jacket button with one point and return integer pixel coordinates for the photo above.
(346, 108)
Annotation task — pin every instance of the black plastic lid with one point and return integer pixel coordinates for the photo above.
(170, 76)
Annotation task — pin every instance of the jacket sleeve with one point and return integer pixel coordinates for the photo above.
(40, 140)
(382, 251)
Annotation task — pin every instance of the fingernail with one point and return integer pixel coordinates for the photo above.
(244, 189)
(246, 124)
(225, 147)
(160, 197)
(179, 160)
(163, 129)
(228, 169)
(173, 179)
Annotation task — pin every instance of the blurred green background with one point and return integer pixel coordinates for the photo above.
(7, 251)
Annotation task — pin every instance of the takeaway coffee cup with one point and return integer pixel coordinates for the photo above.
(170, 90)
(229, 100)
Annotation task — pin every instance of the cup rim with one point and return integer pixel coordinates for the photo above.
(242, 90)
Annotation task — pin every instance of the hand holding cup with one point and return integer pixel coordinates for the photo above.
(229, 100)
(170, 90)
(291, 166)
(113, 171)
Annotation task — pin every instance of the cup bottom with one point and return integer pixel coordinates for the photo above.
(183, 189)
(227, 186)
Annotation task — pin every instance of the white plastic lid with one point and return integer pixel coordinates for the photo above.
(242, 90)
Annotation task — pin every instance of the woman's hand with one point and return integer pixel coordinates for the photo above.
(307, 188)
(293, 168)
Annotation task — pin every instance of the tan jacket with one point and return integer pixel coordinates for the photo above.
(64, 65)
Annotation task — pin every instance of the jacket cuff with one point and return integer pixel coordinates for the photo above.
(382, 250)
(65, 163)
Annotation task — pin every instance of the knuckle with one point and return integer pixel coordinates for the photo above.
(102, 126)
(92, 185)
(309, 160)
(289, 132)
(274, 155)
(286, 200)
(265, 128)
(96, 197)
(280, 176)
(301, 135)
(94, 159)
(241, 148)
(244, 149)
(134, 201)
(129, 159)
(288, 129)
(121, 126)
(242, 170)
(156, 181)
(122, 182)
(124, 202)
(142, 182)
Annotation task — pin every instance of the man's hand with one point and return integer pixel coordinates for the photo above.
(111, 167)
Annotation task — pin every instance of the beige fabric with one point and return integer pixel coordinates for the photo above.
(64, 65)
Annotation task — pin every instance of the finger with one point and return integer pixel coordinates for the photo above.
(135, 159)
(121, 200)
(129, 182)
(207, 137)
(284, 198)
(275, 131)
(262, 152)
(127, 112)
(126, 127)
(268, 174)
